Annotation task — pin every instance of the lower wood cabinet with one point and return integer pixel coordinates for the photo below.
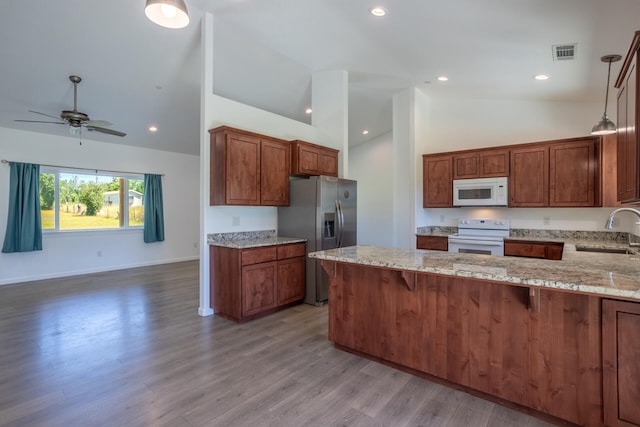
(533, 249)
(247, 283)
(434, 243)
(621, 362)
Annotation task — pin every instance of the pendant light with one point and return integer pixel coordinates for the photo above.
(167, 13)
(606, 126)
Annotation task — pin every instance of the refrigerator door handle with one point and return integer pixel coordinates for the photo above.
(338, 226)
(340, 222)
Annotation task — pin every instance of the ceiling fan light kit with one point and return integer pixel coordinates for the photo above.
(605, 126)
(167, 13)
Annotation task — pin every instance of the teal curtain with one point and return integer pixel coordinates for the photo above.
(153, 210)
(24, 225)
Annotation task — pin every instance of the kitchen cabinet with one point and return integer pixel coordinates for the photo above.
(252, 282)
(628, 154)
(309, 159)
(573, 173)
(529, 177)
(621, 365)
(434, 243)
(481, 164)
(437, 180)
(248, 169)
(533, 249)
(562, 173)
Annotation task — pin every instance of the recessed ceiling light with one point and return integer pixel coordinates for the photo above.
(153, 128)
(378, 11)
(308, 111)
(541, 77)
(365, 132)
(443, 78)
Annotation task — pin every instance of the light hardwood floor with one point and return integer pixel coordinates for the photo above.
(127, 348)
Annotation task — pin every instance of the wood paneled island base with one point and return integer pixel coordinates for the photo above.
(477, 335)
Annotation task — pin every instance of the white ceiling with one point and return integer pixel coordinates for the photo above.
(136, 73)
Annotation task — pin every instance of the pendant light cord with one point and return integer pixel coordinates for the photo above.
(606, 97)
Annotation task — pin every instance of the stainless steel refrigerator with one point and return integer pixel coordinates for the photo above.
(323, 210)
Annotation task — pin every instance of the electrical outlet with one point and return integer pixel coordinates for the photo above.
(235, 221)
(546, 220)
(195, 245)
(441, 219)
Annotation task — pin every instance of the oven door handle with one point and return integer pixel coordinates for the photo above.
(475, 242)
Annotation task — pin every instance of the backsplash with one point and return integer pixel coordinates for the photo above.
(574, 235)
(600, 236)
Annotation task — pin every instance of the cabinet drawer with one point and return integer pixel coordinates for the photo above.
(534, 249)
(292, 250)
(258, 255)
(435, 243)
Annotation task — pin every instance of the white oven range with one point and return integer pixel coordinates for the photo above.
(480, 236)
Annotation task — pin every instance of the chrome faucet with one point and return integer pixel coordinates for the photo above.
(609, 223)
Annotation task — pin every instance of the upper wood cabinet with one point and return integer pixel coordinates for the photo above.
(248, 169)
(529, 178)
(559, 173)
(437, 181)
(310, 159)
(628, 143)
(481, 164)
(573, 173)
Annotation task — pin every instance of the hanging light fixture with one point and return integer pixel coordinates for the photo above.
(606, 126)
(167, 13)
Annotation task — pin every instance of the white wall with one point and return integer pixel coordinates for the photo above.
(370, 165)
(71, 253)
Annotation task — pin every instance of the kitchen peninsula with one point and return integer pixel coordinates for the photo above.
(556, 338)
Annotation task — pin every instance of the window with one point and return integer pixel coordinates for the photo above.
(82, 201)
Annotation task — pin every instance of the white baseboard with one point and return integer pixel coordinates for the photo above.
(91, 270)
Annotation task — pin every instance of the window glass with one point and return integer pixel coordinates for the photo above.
(47, 200)
(136, 205)
(90, 201)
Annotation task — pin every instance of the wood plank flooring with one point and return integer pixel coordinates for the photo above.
(127, 348)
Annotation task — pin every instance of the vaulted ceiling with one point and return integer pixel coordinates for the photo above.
(136, 74)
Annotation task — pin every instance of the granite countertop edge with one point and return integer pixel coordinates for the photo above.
(604, 275)
(255, 243)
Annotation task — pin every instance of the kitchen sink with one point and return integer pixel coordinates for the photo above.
(604, 250)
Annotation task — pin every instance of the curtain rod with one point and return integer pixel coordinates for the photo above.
(83, 169)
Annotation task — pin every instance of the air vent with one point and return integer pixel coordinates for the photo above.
(563, 52)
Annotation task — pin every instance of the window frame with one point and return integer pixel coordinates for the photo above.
(57, 171)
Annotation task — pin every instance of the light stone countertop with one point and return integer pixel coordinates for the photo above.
(255, 242)
(250, 239)
(602, 274)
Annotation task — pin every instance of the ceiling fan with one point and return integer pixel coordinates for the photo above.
(75, 119)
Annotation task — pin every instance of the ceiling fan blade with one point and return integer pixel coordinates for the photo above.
(105, 130)
(40, 121)
(44, 114)
(99, 123)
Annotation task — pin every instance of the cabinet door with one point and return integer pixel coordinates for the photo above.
(291, 280)
(466, 166)
(308, 160)
(437, 181)
(493, 163)
(258, 288)
(620, 350)
(274, 173)
(628, 152)
(329, 163)
(242, 170)
(573, 174)
(529, 178)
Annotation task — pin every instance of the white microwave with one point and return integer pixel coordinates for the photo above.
(480, 192)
